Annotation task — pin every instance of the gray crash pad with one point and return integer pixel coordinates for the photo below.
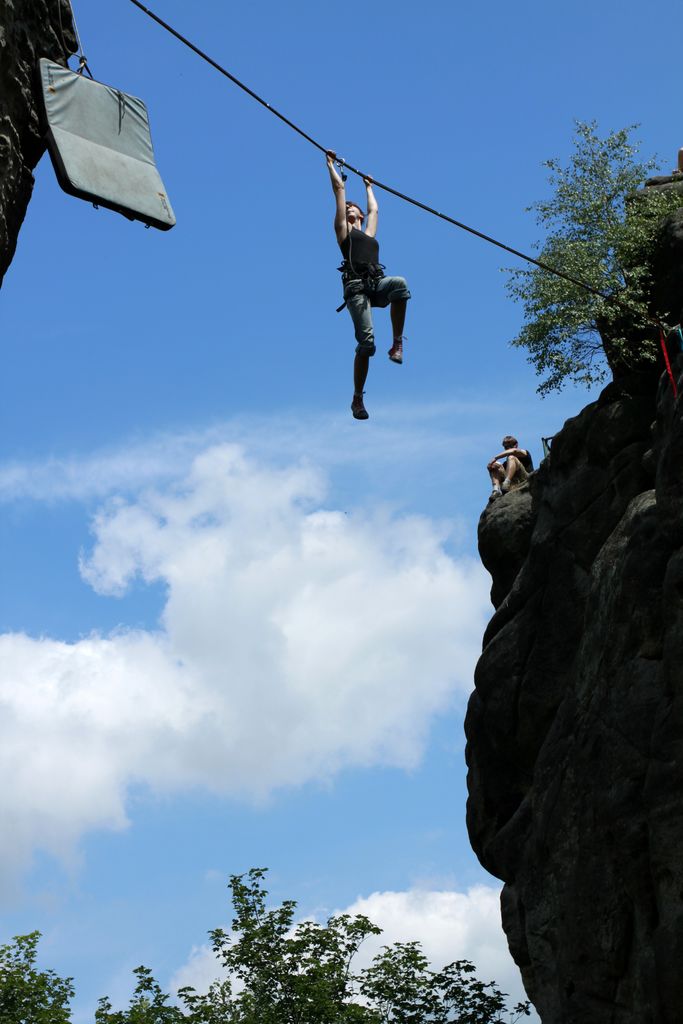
(100, 146)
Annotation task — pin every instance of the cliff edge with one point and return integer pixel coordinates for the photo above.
(575, 727)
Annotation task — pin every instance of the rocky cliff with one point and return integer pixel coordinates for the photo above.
(575, 727)
(29, 29)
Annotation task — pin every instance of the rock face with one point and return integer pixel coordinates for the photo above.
(29, 29)
(669, 267)
(575, 728)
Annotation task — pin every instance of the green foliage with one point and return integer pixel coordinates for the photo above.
(27, 995)
(401, 987)
(601, 232)
(287, 974)
(148, 1005)
(303, 974)
(279, 972)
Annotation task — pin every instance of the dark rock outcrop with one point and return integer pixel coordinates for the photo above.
(29, 29)
(575, 728)
(672, 181)
(668, 268)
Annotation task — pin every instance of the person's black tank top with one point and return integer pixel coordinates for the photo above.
(362, 248)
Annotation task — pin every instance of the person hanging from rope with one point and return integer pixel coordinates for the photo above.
(515, 470)
(365, 284)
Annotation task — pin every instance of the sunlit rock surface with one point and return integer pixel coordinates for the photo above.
(29, 29)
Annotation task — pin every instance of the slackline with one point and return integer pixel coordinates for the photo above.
(615, 299)
(378, 184)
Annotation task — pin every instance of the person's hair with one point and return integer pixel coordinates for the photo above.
(349, 202)
(513, 440)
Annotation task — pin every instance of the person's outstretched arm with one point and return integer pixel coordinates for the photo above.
(340, 226)
(371, 220)
(518, 452)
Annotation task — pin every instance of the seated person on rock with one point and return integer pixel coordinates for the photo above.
(515, 469)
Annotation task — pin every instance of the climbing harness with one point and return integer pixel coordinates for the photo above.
(368, 275)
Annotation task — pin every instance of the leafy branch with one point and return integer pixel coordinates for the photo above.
(278, 972)
(602, 229)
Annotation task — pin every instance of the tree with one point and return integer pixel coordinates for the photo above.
(403, 989)
(27, 995)
(601, 231)
(148, 1005)
(303, 974)
(286, 973)
(278, 972)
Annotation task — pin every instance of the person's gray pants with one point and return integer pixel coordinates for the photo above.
(359, 304)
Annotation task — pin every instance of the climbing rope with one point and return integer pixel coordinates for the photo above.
(362, 174)
(382, 185)
(82, 59)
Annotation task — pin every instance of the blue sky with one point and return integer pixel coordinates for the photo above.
(239, 627)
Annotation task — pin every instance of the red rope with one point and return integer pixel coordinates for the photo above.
(662, 341)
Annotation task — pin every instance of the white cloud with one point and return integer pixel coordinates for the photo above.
(199, 971)
(449, 925)
(78, 478)
(295, 641)
(426, 434)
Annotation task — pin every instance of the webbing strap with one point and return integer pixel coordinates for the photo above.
(662, 341)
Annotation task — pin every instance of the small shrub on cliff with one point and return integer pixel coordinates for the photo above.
(602, 233)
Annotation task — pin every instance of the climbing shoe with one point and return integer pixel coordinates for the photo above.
(495, 493)
(358, 409)
(396, 351)
(506, 485)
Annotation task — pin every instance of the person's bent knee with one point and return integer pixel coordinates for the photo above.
(399, 290)
(365, 348)
(390, 289)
